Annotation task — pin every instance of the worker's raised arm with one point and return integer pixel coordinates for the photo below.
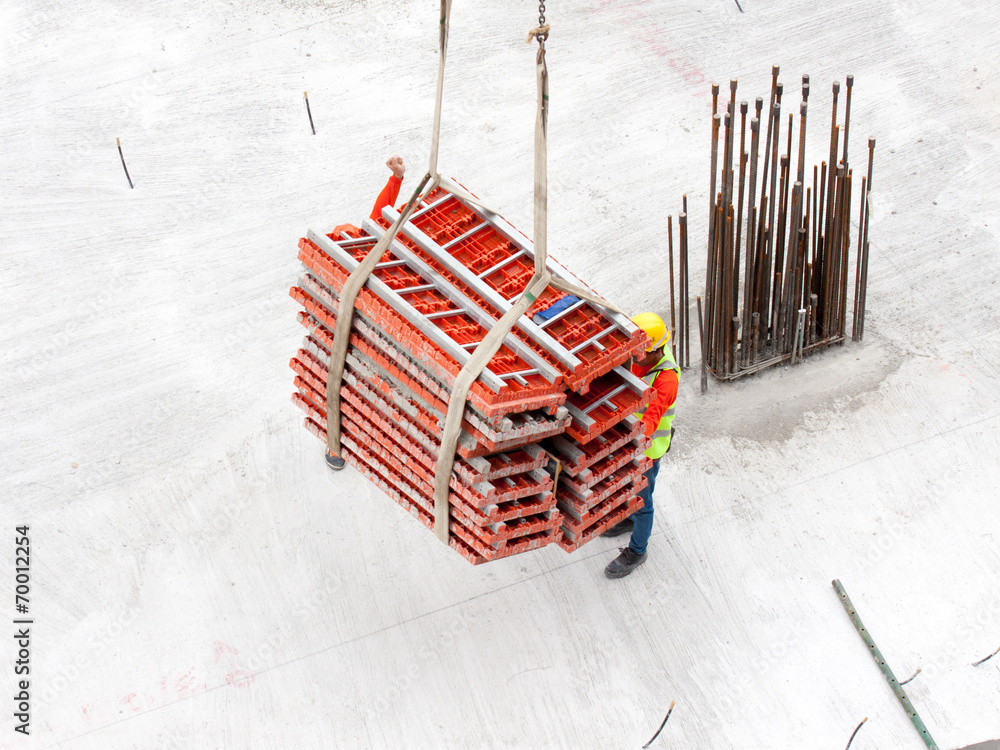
(390, 192)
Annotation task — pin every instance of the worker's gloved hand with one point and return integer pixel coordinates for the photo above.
(395, 163)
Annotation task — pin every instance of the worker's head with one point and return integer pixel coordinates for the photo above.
(655, 328)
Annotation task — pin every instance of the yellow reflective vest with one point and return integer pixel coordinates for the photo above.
(661, 436)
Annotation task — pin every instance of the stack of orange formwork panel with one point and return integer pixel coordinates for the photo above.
(555, 394)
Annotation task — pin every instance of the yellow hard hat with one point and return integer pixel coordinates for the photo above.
(654, 327)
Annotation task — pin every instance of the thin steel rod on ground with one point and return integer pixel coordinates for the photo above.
(127, 177)
(305, 94)
(977, 663)
(886, 671)
(855, 732)
(911, 677)
(669, 711)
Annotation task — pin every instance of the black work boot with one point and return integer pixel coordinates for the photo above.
(624, 564)
(335, 462)
(622, 527)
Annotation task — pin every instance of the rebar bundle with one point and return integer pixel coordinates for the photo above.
(790, 264)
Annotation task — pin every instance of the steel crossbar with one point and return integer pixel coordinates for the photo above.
(438, 253)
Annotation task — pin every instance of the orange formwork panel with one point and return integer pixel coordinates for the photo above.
(503, 260)
(472, 470)
(631, 475)
(524, 427)
(493, 524)
(603, 468)
(528, 427)
(392, 430)
(402, 338)
(576, 523)
(577, 458)
(505, 363)
(573, 540)
(515, 536)
(368, 341)
(612, 398)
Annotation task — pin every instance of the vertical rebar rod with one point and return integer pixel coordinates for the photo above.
(801, 171)
(685, 309)
(730, 137)
(744, 157)
(813, 215)
(774, 166)
(845, 244)
(857, 262)
(779, 254)
(704, 364)
(834, 134)
(847, 114)
(836, 245)
(813, 315)
(772, 212)
(845, 600)
(670, 263)
(798, 298)
(713, 309)
(734, 329)
(770, 126)
(820, 228)
(760, 273)
(864, 262)
(791, 263)
(751, 233)
(728, 283)
(800, 336)
(710, 268)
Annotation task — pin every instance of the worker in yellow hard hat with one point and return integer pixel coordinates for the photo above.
(659, 370)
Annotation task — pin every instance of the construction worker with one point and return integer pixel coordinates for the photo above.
(659, 370)
(386, 198)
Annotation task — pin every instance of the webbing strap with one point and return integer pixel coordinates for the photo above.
(358, 278)
(491, 344)
(342, 332)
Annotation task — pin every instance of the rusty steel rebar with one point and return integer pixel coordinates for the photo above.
(682, 224)
(780, 290)
(864, 262)
(704, 363)
(670, 264)
(751, 227)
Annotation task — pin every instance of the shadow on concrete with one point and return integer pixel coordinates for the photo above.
(991, 745)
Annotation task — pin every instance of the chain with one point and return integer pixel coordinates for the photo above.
(542, 36)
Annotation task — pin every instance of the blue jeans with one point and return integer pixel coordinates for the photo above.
(642, 519)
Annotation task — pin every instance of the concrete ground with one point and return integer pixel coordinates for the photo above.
(200, 580)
